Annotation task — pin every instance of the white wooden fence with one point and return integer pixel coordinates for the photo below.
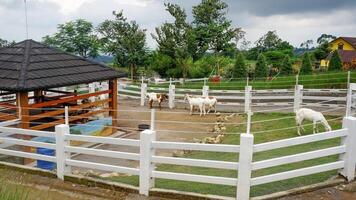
(248, 98)
(147, 157)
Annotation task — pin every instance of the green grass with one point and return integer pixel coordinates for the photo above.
(233, 138)
(336, 80)
(12, 192)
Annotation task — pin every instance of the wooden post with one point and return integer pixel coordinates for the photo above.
(349, 157)
(113, 103)
(146, 166)
(22, 100)
(245, 167)
(61, 132)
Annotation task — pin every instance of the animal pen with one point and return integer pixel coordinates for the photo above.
(32, 78)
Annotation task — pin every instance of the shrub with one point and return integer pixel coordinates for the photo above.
(335, 63)
(261, 69)
(286, 67)
(306, 65)
(239, 70)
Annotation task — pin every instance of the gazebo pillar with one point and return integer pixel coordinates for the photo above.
(113, 103)
(23, 111)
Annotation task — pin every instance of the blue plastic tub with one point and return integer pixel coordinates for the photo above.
(45, 164)
(43, 151)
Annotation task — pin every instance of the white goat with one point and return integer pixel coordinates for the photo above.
(311, 115)
(195, 101)
(210, 102)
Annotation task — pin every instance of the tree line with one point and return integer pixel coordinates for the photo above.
(207, 45)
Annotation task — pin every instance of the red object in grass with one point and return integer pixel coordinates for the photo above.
(215, 79)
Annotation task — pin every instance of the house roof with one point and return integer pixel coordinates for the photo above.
(346, 56)
(30, 65)
(350, 40)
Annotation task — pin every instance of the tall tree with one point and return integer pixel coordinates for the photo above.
(269, 41)
(213, 30)
(335, 63)
(239, 70)
(261, 69)
(124, 40)
(286, 67)
(177, 39)
(325, 38)
(76, 37)
(306, 67)
(307, 44)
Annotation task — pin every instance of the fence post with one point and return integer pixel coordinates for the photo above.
(92, 90)
(205, 92)
(146, 166)
(143, 93)
(298, 97)
(248, 99)
(61, 131)
(171, 95)
(245, 167)
(350, 155)
(66, 115)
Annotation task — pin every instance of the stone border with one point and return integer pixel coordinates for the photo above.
(165, 193)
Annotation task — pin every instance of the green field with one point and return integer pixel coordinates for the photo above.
(232, 137)
(336, 80)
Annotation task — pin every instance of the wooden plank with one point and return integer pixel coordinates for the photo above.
(297, 173)
(28, 143)
(59, 101)
(195, 178)
(102, 167)
(104, 140)
(27, 132)
(103, 153)
(299, 140)
(10, 122)
(196, 146)
(195, 162)
(298, 157)
(27, 155)
(7, 117)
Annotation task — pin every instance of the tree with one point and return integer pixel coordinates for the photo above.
(335, 63)
(306, 64)
(261, 69)
(76, 37)
(5, 43)
(239, 70)
(325, 38)
(177, 39)
(213, 30)
(286, 67)
(124, 40)
(306, 44)
(269, 41)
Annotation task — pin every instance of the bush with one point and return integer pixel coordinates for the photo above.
(335, 63)
(286, 67)
(239, 70)
(261, 69)
(306, 64)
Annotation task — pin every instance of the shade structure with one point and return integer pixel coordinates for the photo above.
(30, 65)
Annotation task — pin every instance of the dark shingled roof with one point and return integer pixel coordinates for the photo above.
(30, 65)
(350, 40)
(346, 56)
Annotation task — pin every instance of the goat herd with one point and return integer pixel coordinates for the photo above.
(210, 102)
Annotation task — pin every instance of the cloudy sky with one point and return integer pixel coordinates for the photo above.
(294, 20)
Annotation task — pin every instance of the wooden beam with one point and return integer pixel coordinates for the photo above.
(59, 101)
(113, 104)
(24, 120)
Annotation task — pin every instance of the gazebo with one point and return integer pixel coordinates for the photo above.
(30, 71)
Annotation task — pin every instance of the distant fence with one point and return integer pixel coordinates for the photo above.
(295, 98)
(147, 157)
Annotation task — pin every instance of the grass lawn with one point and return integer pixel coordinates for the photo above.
(232, 137)
(319, 80)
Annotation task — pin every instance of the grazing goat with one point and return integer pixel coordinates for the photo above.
(210, 102)
(156, 97)
(195, 101)
(311, 115)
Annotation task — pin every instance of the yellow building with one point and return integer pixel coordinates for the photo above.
(346, 46)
